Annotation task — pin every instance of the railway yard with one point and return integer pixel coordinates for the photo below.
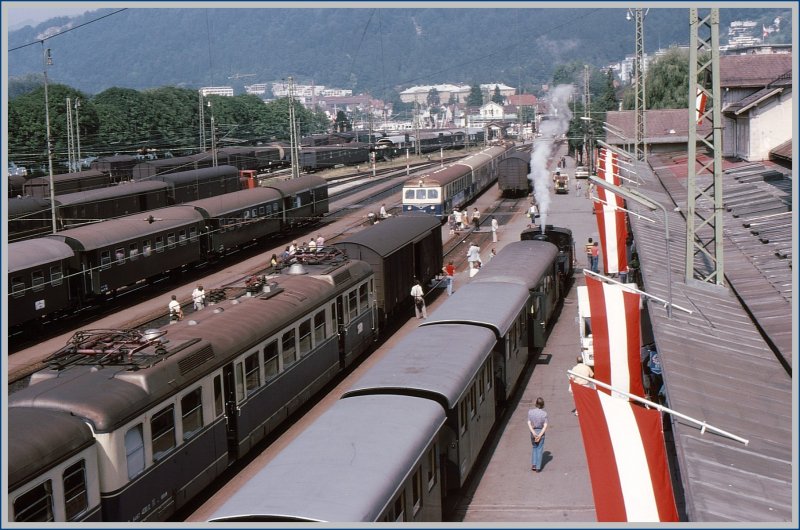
(714, 478)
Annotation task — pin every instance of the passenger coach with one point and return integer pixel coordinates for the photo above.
(439, 191)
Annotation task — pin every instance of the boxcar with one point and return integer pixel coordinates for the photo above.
(118, 167)
(512, 174)
(399, 249)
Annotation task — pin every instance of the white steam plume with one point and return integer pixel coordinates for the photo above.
(557, 124)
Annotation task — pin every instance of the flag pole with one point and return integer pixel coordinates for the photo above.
(640, 216)
(634, 290)
(661, 408)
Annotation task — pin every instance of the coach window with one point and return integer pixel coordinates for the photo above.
(416, 493)
(192, 413)
(421, 195)
(462, 417)
(480, 383)
(261, 211)
(409, 194)
(147, 248)
(119, 256)
(433, 194)
(239, 376)
(134, 450)
(162, 433)
(171, 240)
(363, 297)
(17, 287)
(56, 276)
(35, 505)
(105, 259)
(182, 237)
(252, 377)
(217, 396)
(37, 280)
(431, 471)
(472, 404)
(270, 360)
(159, 243)
(289, 348)
(400, 507)
(352, 304)
(133, 252)
(305, 337)
(192, 234)
(319, 327)
(76, 498)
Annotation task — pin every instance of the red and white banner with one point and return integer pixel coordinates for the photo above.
(624, 444)
(610, 219)
(700, 105)
(616, 337)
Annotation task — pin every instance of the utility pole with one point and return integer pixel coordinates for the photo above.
(417, 150)
(587, 140)
(640, 148)
(48, 61)
(213, 138)
(201, 113)
(78, 132)
(704, 236)
(293, 140)
(70, 147)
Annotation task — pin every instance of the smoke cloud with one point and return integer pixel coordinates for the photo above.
(556, 124)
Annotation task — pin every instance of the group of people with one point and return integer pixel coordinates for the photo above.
(592, 249)
(175, 310)
(458, 220)
(312, 246)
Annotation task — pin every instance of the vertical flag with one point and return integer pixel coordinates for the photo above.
(624, 444)
(615, 336)
(700, 105)
(610, 218)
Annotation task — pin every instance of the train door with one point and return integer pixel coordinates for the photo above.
(231, 412)
(341, 330)
(537, 322)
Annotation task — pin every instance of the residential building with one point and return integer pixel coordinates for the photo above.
(217, 91)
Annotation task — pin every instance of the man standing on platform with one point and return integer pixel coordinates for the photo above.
(495, 226)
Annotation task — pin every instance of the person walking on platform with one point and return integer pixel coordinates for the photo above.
(175, 311)
(588, 249)
(537, 424)
(476, 219)
(595, 257)
(495, 226)
(474, 256)
(581, 369)
(419, 300)
(457, 215)
(199, 296)
(449, 276)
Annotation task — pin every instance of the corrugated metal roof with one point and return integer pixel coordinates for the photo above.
(718, 368)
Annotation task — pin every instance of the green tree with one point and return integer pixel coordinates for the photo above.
(475, 97)
(666, 83)
(498, 97)
(342, 124)
(433, 97)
